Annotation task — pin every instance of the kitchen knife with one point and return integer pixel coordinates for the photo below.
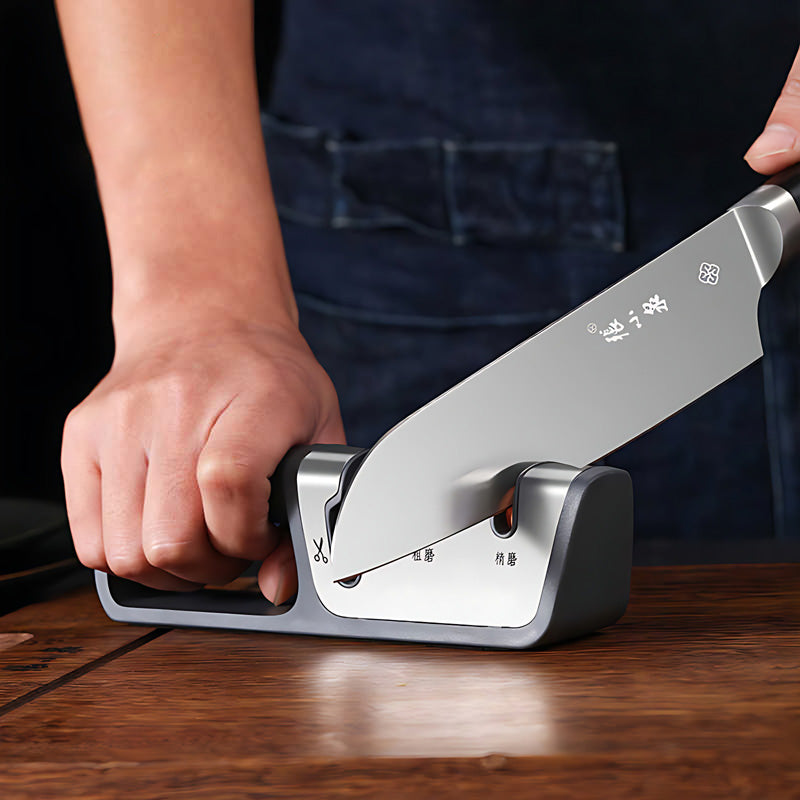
(603, 374)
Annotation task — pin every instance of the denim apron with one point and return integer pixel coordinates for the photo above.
(452, 176)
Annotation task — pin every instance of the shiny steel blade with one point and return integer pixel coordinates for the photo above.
(587, 384)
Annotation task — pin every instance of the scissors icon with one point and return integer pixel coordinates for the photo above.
(319, 555)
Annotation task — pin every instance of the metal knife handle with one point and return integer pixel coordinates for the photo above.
(773, 238)
(788, 179)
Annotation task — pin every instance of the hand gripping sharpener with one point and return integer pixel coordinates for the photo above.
(561, 569)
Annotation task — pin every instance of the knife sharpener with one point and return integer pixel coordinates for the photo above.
(560, 571)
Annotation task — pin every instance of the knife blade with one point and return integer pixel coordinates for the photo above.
(606, 372)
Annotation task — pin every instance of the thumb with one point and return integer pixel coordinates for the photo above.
(778, 146)
(331, 432)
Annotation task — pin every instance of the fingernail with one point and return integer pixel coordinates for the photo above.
(279, 598)
(777, 138)
(270, 587)
(287, 583)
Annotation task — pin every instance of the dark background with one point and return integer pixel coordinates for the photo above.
(56, 340)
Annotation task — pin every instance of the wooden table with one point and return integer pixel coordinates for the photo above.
(695, 693)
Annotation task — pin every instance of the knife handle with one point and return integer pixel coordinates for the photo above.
(788, 179)
(772, 237)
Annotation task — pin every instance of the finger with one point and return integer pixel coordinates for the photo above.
(232, 472)
(174, 535)
(277, 577)
(124, 474)
(81, 474)
(778, 146)
(332, 432)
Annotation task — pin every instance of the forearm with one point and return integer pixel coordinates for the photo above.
(168, 97)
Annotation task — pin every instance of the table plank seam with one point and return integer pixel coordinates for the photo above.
(79, 672)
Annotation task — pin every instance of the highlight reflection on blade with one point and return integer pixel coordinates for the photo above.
(587, 384)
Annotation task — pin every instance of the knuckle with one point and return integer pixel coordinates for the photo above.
(91, 556)
(76, 427)
(792, 87)
(122, 407)
(223, 472)
(169, 555)
(131, 566)
(330, 397)
(175, 391)
(72, 424)
(254, 542)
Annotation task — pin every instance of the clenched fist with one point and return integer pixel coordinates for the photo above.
(166, 463)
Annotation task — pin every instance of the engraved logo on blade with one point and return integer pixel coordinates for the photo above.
(709, 274)
(615, 331)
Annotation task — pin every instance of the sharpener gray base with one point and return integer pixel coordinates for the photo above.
(586, 585)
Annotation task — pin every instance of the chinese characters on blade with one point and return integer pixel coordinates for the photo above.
(615, 330)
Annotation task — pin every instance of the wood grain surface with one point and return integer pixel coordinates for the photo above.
(696, 691)
(9, 640)
(53, 639)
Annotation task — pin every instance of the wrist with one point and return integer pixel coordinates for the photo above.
(173, 299)
(174, 292)
(161, 323)
(189, 245)
(179, 290)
